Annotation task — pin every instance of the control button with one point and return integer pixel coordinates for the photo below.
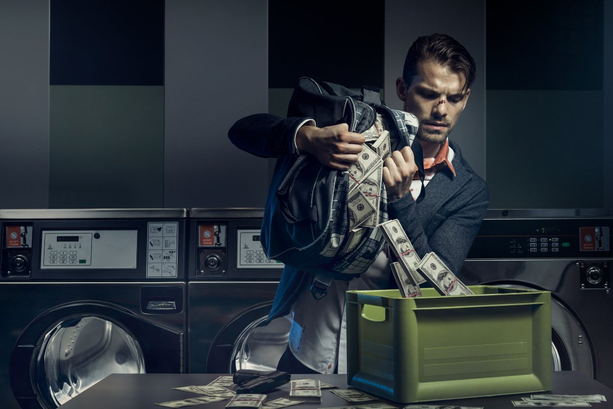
(555, 244)
(544, 250)
(533, 240)
(533, 244)
(555, 250)
(544, 239)
(555, 239)
(533, 250)
(212, 262)
(544, 244)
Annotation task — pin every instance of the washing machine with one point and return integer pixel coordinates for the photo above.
(231, 286)
(567, 252)
(87, 293)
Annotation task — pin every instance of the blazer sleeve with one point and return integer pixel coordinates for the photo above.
(450, 233)
(265, 135)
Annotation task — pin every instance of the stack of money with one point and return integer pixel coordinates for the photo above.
(281, 403)
(408, 288)
(353, 395)
(366, 178)
(441, 277)
(247, 400)
(559, 401)
(402, 248)
(224, 380)
(191, 401)
(305, 390)
(209, 390)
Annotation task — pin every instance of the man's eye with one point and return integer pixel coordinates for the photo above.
(428, 95)
(455, 100)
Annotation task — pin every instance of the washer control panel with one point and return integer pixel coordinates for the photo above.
(89, 249)
(250, 253)
(162, 247)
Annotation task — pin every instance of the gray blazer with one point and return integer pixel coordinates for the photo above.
(446, 221)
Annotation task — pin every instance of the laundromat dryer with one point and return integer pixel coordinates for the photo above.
(231, 286)
(567, 252)
(87, 293)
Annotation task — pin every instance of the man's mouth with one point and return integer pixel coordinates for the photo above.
(435, 126)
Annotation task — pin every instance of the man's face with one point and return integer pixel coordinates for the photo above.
(436, 96)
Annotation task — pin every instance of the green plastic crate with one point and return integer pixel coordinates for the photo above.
(495, 342)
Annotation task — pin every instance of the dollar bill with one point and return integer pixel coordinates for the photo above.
(191, 401)
(408, 288)
(281, 403)
(441, 277)
(322, 385)
(352, 395)
(359, 209)
(247, 400)
(225, 381)
(371, 187)
(546, 403)
(402, 248)
(305, 389)
(382, 145)
(367, 160)
(576, 398)
(353, 239)
(210, 390)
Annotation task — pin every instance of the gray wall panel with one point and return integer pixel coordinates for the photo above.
(216, 72)
(465, 21)
(608, 106)
(24, 104)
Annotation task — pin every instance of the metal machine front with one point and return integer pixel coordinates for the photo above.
(231, 285)
(89, 293)
(567, 253)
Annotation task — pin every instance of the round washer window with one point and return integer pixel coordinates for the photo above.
(79, 352)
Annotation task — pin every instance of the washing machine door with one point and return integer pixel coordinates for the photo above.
(67, 350)
(246, 342)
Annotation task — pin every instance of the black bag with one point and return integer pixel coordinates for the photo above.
(306, 221)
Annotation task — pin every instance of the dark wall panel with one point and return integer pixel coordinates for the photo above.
(107, 42)
(24, 104)
(216, 73)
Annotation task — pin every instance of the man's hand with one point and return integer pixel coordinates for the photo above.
(333, 146)
(398, 173)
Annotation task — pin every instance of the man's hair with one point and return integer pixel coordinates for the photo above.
(442, 49)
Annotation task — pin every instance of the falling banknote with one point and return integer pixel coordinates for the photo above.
(408, 288)
(402, 248)
(441, 277)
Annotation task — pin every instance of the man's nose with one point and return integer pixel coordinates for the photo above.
(440, 108)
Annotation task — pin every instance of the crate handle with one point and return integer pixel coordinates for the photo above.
(372, 300)
(374, 313)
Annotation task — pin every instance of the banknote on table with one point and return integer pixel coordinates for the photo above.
(247, 400)
(359, 209)
(402, 247)
(322, 385)
(281, 403)
(441, 277)
(408, 288)
(352, 395)
(367, 161)
(210, 390)
(382, 145)
(224, 380)
(441, 407)
(200, 400)
(575, 398)
(305, 389)
(545, 403)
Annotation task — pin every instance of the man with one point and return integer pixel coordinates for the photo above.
(434, 87)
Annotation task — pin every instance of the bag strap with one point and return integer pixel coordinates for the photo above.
(371, 95)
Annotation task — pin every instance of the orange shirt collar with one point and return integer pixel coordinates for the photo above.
(441, 160)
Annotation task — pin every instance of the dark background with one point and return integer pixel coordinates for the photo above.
(110, 103)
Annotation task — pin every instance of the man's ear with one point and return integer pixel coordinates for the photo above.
(466, 99)
(401, 90)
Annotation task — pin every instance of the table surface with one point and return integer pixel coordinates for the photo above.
(120, 391)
